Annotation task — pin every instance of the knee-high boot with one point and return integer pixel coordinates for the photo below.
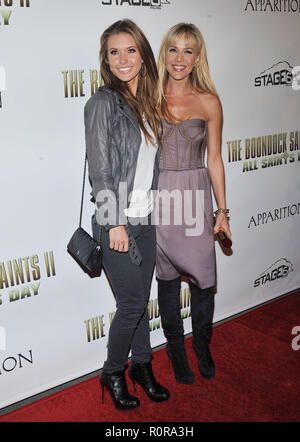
(202, 308)
(172, 323)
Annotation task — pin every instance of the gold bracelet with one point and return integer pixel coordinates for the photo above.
(224, 211)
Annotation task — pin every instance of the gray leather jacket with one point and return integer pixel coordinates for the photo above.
(113, 141)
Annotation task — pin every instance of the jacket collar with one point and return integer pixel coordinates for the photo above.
(122, 105)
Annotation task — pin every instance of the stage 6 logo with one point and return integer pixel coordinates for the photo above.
(296, 340)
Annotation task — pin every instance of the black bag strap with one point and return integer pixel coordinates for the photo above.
(82, 192)
(82, 197)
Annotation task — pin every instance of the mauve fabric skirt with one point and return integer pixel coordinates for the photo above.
(184, 227)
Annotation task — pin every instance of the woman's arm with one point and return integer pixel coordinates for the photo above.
(214, 159)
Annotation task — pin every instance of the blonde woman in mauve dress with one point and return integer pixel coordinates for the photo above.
(192, 121)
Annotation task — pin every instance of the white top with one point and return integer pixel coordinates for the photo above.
(141, 199)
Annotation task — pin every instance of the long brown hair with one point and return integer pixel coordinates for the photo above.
(200, 78)
(144, 103)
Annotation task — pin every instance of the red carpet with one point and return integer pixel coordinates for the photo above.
(257, 379)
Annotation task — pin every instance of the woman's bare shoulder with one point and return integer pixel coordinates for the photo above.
(210, 103)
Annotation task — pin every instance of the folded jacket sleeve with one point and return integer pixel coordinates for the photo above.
(98, 119)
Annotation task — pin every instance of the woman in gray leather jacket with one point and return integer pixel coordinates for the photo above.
(121, 127)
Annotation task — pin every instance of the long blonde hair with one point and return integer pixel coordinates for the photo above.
(200, 78)
(143, 104)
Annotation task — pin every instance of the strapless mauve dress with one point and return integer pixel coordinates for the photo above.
(184, 211)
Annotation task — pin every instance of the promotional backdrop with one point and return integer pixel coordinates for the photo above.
(54, 319)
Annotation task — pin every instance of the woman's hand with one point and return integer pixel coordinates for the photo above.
(222, 223)
(118, 239)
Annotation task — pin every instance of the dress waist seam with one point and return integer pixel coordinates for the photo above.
(181, 169)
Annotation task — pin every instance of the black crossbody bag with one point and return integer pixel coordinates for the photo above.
(83, 247)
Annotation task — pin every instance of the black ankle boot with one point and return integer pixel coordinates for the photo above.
(117, 387)
(143, 375)
(177, 355)
(202, 307)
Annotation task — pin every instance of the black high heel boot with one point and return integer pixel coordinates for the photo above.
(172, 323)
(177, 355)
(143, 375)
(205, 361)
(117, 387)
(202, 307)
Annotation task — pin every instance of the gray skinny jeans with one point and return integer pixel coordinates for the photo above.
(131, 285)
